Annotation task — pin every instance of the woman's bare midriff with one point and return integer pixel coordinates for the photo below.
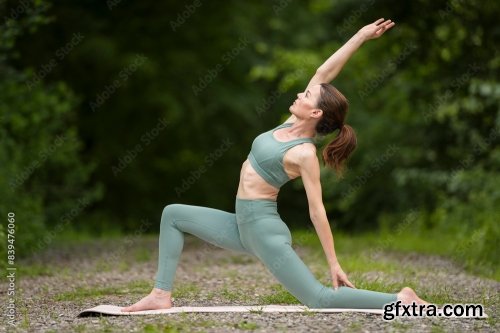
(253, 186)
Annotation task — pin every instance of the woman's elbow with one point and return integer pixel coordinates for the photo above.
(317, 213)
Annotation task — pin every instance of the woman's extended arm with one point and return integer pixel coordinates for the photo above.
(310, 172)
(332, 66)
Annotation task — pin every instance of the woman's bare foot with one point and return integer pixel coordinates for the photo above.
(408, 296)
(157, 299)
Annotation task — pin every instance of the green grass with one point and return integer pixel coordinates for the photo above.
(38, 270)
(259, 311)
(401, 326)
(184, 324)
(379, 286)
(246, 325)
(186, 289)
(230, 295)
(349, 247)
(80, 293)
(279, 296)
(142, 254)
(436, 328)
(238, 260)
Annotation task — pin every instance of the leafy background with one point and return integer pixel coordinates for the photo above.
(111, 110)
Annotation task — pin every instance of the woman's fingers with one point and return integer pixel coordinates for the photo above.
(335, 283)
(383, 24)
(349, 284)
(377, 22)
(384, 27)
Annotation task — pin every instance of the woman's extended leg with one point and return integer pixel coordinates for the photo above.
(270, 240)
(212, 225)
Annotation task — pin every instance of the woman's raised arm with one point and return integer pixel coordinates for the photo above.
(332, 66)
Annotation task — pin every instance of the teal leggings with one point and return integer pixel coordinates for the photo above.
(255, 228)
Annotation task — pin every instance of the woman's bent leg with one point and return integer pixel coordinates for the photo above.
(212, 225)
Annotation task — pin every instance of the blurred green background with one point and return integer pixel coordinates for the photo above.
(110, 110)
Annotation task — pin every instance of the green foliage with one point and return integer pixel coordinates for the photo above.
(425, 108)
(423, 101)
(43, 179)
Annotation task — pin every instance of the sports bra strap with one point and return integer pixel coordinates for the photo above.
(283, 125)
(294, 141)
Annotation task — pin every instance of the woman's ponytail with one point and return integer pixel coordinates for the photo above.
(337, 151)
(335, 107)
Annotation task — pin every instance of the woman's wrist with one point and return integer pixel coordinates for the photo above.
(360, 36)
(333, 262)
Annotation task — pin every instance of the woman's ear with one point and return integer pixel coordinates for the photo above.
(317, 113)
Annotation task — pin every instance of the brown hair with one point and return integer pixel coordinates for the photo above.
(335, 106)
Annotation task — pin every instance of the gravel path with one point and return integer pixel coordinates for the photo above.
(74, 278)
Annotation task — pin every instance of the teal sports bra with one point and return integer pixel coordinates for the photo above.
(266, 156)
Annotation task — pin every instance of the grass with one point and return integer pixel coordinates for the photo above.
(186, 290)
(279, 296)
(354, 248)
(185, 324)
(34, 270)
(230, 295)
(246, 325)
(82, 293)
(142, 254)
(353, 251)
(238, 260)
(436, 328)
(259, 311)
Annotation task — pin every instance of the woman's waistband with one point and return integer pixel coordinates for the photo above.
(266, 200)
(249, 210)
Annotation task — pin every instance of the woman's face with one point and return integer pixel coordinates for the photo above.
(306, 102)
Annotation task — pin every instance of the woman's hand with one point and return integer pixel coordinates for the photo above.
(375, 29)
(339, 278)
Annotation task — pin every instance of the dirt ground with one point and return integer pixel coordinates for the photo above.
(64, 282)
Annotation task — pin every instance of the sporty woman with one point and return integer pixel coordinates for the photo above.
(277, 156)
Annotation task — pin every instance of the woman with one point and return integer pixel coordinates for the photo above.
(277, 156)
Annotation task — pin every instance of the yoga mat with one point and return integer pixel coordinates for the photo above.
(113, 310)
(116, 310)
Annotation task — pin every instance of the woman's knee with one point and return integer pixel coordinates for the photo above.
(169, 212)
